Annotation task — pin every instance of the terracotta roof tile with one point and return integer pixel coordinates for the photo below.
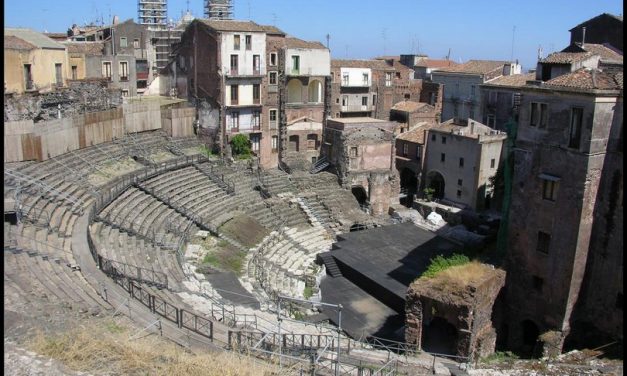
(14, 43)
(291, 42)
(436, 63)
(372, 64)
(475, 66)
(566, 57)
(411, 106)
(233, 25)
(417, 134)
(607, 54)
(588, 79)
(513, 80)
(87, 48)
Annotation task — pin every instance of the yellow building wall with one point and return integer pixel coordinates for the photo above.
(42, 68)
(79, 61)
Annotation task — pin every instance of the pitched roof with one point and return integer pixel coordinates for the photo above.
(588, 79)
(513, 80)
(619, 18)
(411, 106)
(87, 48)
(475, 66)
(417, 134)
(269, 29)
(607, 54)
(14, 43)
(372, 64)
(291, 42)
(435, 63)
(233, 25)
(566, 57)
(37, 39)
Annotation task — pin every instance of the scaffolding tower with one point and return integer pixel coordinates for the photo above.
(152, 13)
(219, 9)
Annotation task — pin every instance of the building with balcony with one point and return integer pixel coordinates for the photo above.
(461, 86)
(33, 62)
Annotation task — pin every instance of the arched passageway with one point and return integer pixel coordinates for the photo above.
(439, 336)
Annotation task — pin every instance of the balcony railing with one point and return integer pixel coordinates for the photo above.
(355, 84)
(357, 108)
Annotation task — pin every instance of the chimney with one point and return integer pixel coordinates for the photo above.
(472, 127)
(583, 35)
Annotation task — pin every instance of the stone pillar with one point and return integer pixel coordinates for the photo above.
(379, 189)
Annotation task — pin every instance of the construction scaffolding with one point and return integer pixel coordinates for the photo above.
(152, 12)
(219, 9)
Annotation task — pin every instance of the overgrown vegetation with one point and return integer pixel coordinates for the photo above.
(429, 193)
(499, 357)
(221, 256)
(204, 150)
(240, 146)
(441, 263)
(308, 292)
(108, 348)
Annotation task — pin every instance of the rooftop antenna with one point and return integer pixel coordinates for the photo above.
(540, 52)
(328, 37)
(448, 56)
(513, 34)
(583, 35)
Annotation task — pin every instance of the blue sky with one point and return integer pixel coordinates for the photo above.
(472, 29)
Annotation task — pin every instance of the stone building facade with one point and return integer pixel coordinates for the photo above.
(564, 255)
(361, 151)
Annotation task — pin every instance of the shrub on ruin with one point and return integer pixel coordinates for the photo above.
(240, 146)
(440, 263)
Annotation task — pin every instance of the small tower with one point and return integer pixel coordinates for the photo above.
(219, 9)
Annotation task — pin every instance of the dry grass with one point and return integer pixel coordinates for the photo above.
(105, 348)
(463, 275)
(246, 230)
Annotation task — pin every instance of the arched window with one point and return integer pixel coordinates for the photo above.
(294, 91)
(315, 91)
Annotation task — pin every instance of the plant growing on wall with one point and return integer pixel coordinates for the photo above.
(240, 145)
(429, 193)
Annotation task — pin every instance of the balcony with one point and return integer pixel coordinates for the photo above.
(357, 108)
(354, 84)
(234, 73)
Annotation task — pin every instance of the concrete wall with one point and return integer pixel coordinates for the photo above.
(313, 62)
(355, 77)
(25, 140)
(94, 66)
(459, 86)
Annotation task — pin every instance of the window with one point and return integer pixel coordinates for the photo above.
(549, 187)
(459, 182)
(234, 93)
(135, 43)
(405, 149)
(539, 115)
(249, 42)
(353, 152)
(365, 79)
(254, 141)
(433, 137)
(398, 74)
(492, 97)
(256, 93)
(256, 120)
(471, 113)
(275, 143)
(455, 110)
(106, 69)
(407, 96)
(576, 118)
(295, 64)
(492, 162)
(364, 101)
(374, 99)
(74, 72)
(459, 193)
(312, 140)
(344, 100)
(235, 121)
(234, 64)
(123, 70)
(337, 100)
(442, 157)
(388, 79)
(443, 140)
(544, 240)
(461, 162)
(345, 79)
(273, 58)
(537, 283)
(58, 70)
(123, 42)
(491, 121)
(28, 77)
(272, 78)
(125, 93)
(273, 118)
(472, 91)
(236, 42)
(256, 64)
(418, 152)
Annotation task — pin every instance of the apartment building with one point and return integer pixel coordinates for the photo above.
(33, 62)
(461, 86)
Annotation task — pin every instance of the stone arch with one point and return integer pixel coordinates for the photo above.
(294, 91)
(360, 194)
(409, 184)
(315, 91)
(439, 336)
(435, 180)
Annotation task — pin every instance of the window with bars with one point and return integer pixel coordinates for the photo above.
(273, 118)
(249, 42)
(106, 69)
(234, 94)
(272, 78)
(123, 70)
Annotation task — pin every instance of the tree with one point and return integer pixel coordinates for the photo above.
(240, 145)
